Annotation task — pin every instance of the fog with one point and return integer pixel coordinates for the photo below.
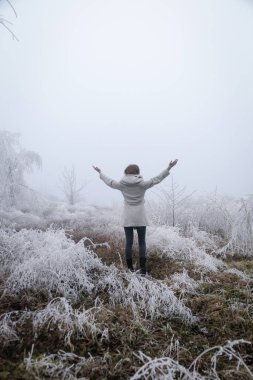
(115, 82)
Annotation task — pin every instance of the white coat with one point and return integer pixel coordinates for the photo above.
(133, 188)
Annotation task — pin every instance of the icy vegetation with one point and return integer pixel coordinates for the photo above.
(68, 299)
(67, 365)
(14, 163)
(53, 264)
(80, 295)
(59, 315)
(168, 242)
(169, 369)
(7, 328)
(63, 365)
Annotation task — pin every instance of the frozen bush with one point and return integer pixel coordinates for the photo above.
(167, 242)
(54, 264)
(50, 263)
(182, 281)
(202, 238)
(143, 296)
(63, 365)
(71, 324)
(214, 214)
(241, 237)
(15, 248)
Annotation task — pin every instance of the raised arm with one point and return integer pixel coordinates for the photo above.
(108, 181)
(155, 180)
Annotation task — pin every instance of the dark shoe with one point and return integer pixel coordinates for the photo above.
(130, 264)
(143, 265)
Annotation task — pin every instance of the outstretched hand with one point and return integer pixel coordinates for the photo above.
(97, 169)
(172, 163)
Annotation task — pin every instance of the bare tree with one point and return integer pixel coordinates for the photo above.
(5, 23)
(171, 201)
(69, 185)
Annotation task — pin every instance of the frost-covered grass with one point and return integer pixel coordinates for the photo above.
(70, 290)
(66, 365)
(64, 285)
(168, 242)
(169, 369)
(49, 262)
(54, 265)
(70, 324)
(62, 365)
(7, 329)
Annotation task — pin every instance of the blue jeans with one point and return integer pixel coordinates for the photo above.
(129, 232)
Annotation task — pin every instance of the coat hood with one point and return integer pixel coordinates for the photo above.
(131, 179)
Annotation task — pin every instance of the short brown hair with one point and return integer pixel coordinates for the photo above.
(132, 169)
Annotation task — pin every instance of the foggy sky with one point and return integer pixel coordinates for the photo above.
(116, 82)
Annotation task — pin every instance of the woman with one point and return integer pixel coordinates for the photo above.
(133, 188)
